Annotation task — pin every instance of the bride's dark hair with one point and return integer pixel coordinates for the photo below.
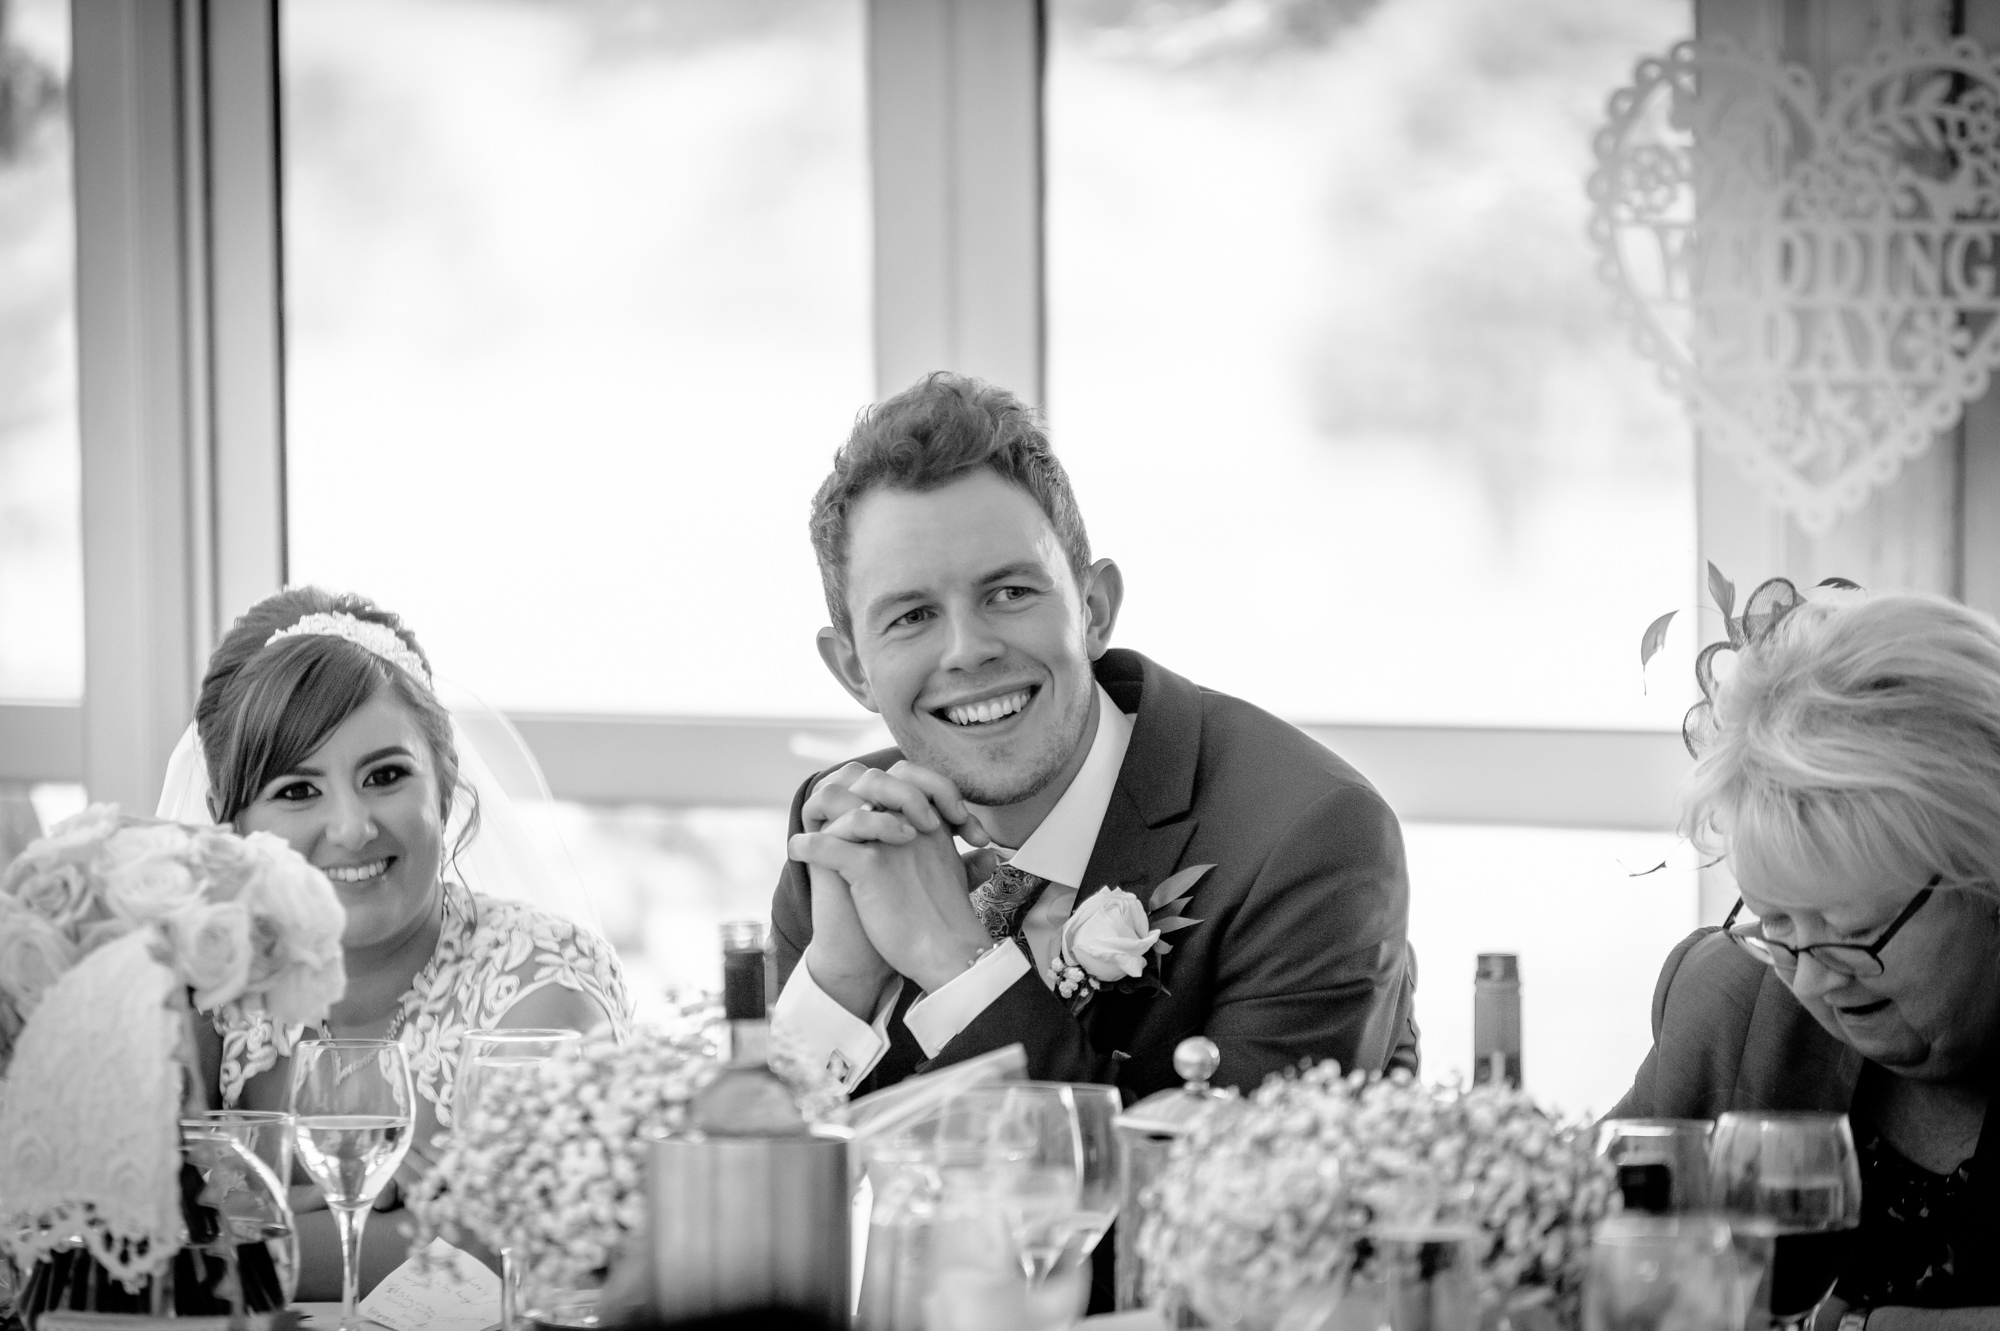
(264, 708)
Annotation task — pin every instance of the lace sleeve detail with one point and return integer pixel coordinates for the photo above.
(579, 961)
(490, 956)
(251, 1043)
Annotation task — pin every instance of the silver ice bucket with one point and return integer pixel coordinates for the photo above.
(738, 1224)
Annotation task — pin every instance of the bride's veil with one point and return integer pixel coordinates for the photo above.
(517, 853)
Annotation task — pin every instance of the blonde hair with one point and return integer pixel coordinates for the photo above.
(1858, 732)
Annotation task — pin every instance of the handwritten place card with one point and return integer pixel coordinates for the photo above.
(465, 1297)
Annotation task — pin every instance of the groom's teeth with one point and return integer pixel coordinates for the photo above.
(359, 873)
(967, 714)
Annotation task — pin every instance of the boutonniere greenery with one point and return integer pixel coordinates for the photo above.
(1112, 941)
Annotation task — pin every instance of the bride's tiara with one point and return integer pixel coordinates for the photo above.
(378, 639)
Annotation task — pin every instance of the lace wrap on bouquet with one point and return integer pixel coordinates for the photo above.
(89, 1142)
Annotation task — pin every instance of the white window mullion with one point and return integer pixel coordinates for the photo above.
(176, 169)
(955, 141)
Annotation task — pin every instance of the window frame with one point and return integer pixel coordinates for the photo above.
(180, 244)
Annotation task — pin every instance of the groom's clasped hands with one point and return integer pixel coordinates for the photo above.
(889, 886)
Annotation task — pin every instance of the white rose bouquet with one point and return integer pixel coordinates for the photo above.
(114, 933)
(243, 922)
(553, 1163)
(1280, 1196)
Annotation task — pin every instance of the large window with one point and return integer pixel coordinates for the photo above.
(1331, 367)
(41, 559)
(577, 311)
(577, 305)
(1343, 395)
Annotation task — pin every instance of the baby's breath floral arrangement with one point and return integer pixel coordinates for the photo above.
(1280, 1196)
(553, 1163)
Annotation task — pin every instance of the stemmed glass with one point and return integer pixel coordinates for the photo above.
(1662, 1272)
(1094, 1108)
(352, 1103)
(267, 1136)
(1792, 1177)
(481, 1054)
(1662, 1163)
(1024, 1142)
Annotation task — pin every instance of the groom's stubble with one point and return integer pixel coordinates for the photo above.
(1020, 771)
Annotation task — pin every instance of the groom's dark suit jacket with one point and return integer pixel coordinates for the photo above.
(1300, 953)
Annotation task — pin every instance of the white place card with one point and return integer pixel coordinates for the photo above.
(462, 1295)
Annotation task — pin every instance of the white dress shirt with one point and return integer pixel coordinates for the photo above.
(814, 1027)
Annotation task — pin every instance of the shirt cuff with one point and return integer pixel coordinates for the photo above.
(938, 1016)
(821, 1033)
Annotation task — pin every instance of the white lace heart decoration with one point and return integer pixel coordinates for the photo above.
(1820, 282)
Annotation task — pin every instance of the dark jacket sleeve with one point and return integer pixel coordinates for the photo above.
(791, 904)
(1407, 1056)
(1314, 964)
(1644, 1100)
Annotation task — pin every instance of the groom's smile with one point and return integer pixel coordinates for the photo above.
(989, 711)
(970, 636)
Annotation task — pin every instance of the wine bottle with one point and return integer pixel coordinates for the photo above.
(746, 1099)
(1496, 1020)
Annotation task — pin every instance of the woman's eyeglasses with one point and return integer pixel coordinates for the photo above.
(1858, 959)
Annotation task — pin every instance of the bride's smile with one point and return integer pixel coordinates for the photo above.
(364, 807)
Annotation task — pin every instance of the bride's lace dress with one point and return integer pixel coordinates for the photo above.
(490, 955)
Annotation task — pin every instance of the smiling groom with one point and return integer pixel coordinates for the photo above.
(1151, 860)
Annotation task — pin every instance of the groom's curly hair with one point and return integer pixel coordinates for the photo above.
(924, 438)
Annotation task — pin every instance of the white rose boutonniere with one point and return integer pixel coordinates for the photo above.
(1110, 939)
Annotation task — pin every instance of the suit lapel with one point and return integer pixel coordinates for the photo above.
(1128, 853)
(1147, 825)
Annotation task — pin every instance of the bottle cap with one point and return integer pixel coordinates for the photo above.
(743, 997)
(1498, 966)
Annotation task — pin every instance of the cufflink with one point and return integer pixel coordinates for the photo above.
(838, 1067)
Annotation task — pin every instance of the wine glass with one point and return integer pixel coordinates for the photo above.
(1095, 1108)
(1023, 1142)
(352, 1102)
(1662, 1273)
(1662, 1163)
(266, 1218)
(1790, 1187)
(482, 1054)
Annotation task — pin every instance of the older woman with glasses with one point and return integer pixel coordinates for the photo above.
(1848, 768)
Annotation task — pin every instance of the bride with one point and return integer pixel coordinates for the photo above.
(319, 721)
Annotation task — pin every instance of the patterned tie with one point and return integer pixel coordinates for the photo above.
(1003, 899)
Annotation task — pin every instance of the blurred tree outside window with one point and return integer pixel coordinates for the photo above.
(577, 312)
(1332, 369)
(41, 546)
(1342, 393)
